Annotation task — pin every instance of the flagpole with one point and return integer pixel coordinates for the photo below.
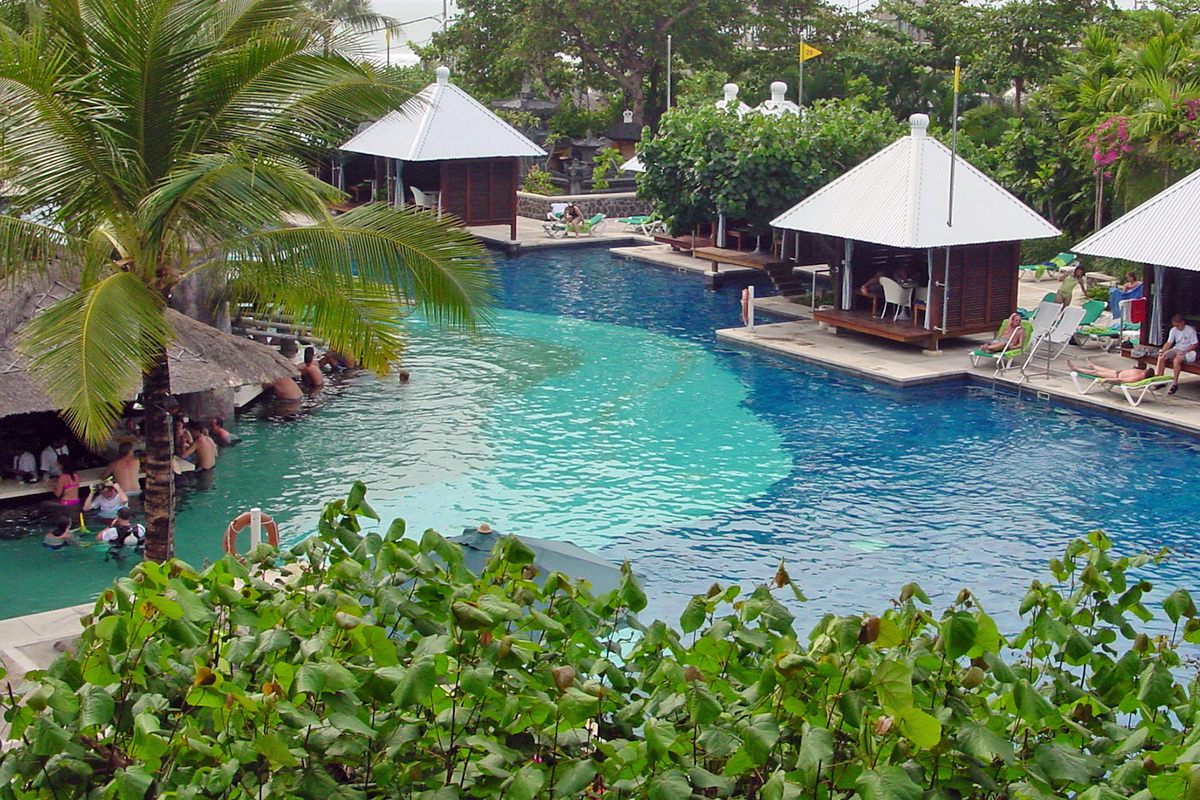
(953, 141)
(800, 97)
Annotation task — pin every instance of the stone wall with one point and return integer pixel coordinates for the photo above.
(611, 204)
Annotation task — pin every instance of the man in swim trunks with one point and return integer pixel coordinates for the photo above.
(203, 450)
(125, 468)
(1131, 375)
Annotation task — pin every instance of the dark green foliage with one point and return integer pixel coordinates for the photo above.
(706, 161)
(388, 671)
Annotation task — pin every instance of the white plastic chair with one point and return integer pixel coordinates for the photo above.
(427, 199)
(896, 295)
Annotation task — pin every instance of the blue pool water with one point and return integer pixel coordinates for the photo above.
(599, 409)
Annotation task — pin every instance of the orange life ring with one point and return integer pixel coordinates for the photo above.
(241, 523)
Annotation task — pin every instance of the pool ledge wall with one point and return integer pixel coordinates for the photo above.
(900, 365)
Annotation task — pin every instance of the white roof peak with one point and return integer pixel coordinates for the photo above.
(730, 100)
(442, 122)
(778, 105)
(900, 197)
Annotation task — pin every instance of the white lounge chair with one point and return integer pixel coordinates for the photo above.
(1134, 392)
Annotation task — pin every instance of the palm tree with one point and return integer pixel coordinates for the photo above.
(161, 135)
(331, 16)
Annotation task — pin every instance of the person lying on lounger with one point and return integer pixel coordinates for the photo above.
(1131, 375)
(1010, 338)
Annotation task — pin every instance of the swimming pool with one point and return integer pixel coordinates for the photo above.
(601, 410)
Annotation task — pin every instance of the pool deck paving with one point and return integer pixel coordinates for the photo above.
(34, 641)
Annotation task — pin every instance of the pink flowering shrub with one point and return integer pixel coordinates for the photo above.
(1109, 143)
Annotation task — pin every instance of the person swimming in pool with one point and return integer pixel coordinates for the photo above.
(60, 534)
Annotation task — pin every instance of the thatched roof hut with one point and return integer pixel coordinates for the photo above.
(201, 357)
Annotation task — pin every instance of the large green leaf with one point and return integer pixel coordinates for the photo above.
(888, 783)
(324, 677)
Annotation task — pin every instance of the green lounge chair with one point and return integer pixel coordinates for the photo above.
(1059, 262)
(643, 224)
(1134, 392)
(591, 225)
(1003, 359)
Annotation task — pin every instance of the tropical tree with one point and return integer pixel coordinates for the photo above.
(333, 16)
(160, 138)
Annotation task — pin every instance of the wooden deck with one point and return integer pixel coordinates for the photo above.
(723, 255)
(907, 331)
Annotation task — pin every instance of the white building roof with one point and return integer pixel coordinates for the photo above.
(441, 122)
(778, 105)
(729, 100)
(900, 197)
(1161, 230)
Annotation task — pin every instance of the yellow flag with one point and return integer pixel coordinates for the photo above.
(807, 51)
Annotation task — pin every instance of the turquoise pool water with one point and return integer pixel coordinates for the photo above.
(600, 410)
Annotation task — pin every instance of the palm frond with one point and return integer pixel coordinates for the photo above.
(221, 196)
(89, 351)
(27, 246)
(432, 263)
(352, 318)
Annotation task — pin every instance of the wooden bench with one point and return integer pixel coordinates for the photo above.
(685, 243)
(723, 255)
(1152, 358)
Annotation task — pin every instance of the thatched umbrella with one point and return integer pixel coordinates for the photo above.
(201, 357)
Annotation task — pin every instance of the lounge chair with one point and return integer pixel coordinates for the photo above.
(588, 227)
(1056, 264)
(1003, 359)
(643, 224)
(1134, 392)
(1057, 336)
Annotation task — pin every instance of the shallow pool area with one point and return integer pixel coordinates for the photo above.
(600, 409)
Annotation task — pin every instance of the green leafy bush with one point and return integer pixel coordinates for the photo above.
(537, 181)
(705, 160)
(384, 669)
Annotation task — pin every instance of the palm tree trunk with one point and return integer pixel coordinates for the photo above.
(159, 497)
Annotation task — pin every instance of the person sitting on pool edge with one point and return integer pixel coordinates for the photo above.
(1010, 338)
(106, 499)
(1130, 375)
(60, 534)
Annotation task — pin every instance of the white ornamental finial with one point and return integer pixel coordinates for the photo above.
(778, 91)
(443, 75)
(919, 123)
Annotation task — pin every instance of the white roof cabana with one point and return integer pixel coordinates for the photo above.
(449, 147)
(1161, 232)
(892, 212)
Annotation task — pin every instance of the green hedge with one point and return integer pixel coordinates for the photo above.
(387, 670)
